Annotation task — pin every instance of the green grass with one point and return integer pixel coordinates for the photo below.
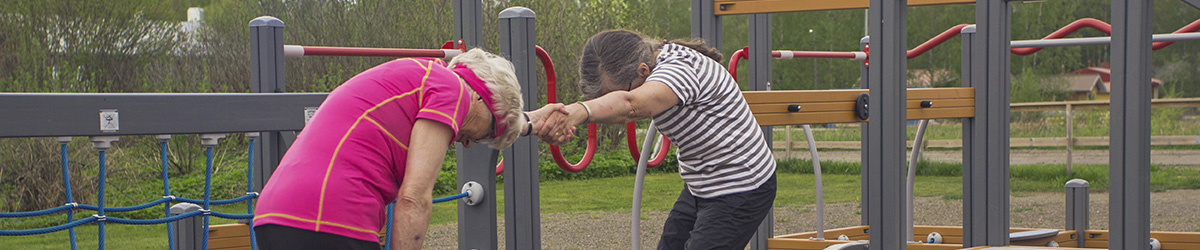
(116, 236)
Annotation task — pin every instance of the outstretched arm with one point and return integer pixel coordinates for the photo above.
(650, 99)
(426, 150)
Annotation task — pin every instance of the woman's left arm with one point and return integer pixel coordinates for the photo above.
(617, 107)
(426, 150)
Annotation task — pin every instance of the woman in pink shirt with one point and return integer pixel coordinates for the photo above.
(382, 137)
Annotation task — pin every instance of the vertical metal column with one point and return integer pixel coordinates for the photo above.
(522, 216)
(1077, 209)
(706, 24)
(760, 79)
(1129, 126)
(886, 132)
(267, 76)
(864, 152)
(188, 231)
(477, 226)
(985, 148)
(468, 22)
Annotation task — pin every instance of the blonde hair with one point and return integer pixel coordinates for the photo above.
(501, 79)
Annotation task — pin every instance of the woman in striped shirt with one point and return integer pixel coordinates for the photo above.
(724, 160)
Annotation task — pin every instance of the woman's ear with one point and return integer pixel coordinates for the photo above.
(643, 70)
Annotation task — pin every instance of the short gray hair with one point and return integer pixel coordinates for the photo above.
(501, 79)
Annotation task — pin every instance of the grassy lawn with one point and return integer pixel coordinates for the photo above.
(614, 195)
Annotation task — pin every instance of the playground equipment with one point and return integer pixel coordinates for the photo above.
(985, 169)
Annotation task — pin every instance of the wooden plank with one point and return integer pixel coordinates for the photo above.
(1177, 237)
(849, 95)
(805, 107)
(229, 242)
(941, 113)
(1100, 105)
(800, 244)
(233, 248)
(848, 231)
(228, 230)
(738, 7)
(809, 118)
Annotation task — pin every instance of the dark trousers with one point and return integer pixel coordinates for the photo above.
(725, 222)
(272, 237)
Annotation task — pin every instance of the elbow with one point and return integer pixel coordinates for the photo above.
(636, 108)
(414, 203)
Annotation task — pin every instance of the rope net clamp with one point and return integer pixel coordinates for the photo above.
(73, 204)
(255, 194)
(205, 212)
(474, 193)
(99, 217)
(172, 197)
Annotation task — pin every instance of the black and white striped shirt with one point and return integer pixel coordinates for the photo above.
(721, 147)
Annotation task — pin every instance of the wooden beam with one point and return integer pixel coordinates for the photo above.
(837, 106)
(737, 7)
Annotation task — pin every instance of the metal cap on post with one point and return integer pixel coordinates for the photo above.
(1077, 209)
(522, 214)
(210, 140)
(188, 231)
(267, 76)
(103, 142)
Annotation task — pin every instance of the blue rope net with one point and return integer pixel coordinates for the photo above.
(206, 203)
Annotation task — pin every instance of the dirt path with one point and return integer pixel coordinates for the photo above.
(1026, 156)
(1176, 210)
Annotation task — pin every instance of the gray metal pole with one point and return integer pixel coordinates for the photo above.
(886, 132)
(1129, 126)
(1077, 209)
(477, 226)
(706, 24)
(522, 216)
(865, 183)
(760, 79)
(189, 231)
(985, 159)
(468, 22)
(267, 76)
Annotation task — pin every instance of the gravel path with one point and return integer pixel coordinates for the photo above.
(1176, 210)
(1025, 156)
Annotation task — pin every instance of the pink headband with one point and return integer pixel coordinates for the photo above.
(480, 88)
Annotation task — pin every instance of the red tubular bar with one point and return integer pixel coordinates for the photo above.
(552, 97)
(1067, 30)
(815, 54)
(349, 51)
(733, 66)
(1192, 27)
(935, 41)
(631, 141)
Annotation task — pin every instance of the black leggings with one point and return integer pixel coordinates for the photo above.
(271, 237)
(725, 222)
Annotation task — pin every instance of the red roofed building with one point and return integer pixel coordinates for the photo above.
(1101, 91)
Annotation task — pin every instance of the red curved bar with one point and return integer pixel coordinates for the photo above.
(733, 63)
(1067, 30)
(552, 97)
(935, 41)
(349, 51)
(1192, 27)
(631, 141)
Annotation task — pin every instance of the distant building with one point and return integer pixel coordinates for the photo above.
(1079, 86)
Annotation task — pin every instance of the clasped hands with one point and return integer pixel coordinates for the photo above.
(555, 124)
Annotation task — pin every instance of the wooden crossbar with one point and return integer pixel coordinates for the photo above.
(837, 106)
(229, 237)
(737, 7)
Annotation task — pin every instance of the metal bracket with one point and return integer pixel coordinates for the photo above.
(210, 140)
(474, 193)
(109, 121)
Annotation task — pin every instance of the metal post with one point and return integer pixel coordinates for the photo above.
(522, 216)
(1129, 126)
(188, 231)
(468, 22)
(1070, 139)
(886, 133)
(985, 150)
(706, 24)
(760, 79)
(477, 226)
(787, 133)
(1077, 209)
(267, 76)
(864, 183)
